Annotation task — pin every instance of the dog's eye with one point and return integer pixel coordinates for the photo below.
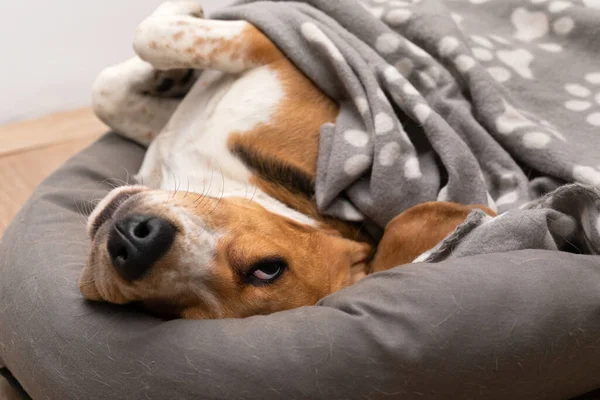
(266, 270)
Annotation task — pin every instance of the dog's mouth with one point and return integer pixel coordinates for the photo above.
(105, 210)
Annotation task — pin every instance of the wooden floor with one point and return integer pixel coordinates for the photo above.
(30, 151)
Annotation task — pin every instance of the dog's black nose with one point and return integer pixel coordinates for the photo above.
(138, 241)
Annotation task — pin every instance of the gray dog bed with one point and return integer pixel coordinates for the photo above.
(520, 325)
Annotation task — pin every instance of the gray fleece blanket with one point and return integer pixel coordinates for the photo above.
(473, 101)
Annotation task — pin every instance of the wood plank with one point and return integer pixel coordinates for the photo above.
(22, 172)
(47, 131)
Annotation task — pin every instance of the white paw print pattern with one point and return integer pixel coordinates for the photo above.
(538, 133)
(492, 49)
(595, 4)
(514, 59)
(449, 47)
(586, 97)
(533, 25)
(313, 33)
(489, 50)
(587, 175)
(395, 17)
(346, 210)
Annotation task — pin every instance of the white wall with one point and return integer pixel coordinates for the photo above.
(51, 50)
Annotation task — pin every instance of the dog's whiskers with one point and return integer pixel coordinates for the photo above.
(127, 172)
(187, 191)
(108, 182)
(220, 197)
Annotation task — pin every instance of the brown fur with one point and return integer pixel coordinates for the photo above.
(283, 156)
(252, 233)
(417, 230)
(283, 153)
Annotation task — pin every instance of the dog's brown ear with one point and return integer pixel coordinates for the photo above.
(417, 230)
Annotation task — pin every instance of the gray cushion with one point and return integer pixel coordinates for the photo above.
(519, 325)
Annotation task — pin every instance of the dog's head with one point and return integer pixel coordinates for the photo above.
(191, 256)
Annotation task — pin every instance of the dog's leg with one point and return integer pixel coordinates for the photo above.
(136, 100)
(417, 230)
(170, 41)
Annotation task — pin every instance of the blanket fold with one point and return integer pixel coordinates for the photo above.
(479, 101)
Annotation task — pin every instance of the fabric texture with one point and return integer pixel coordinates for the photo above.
(476, 102)
(517, 325)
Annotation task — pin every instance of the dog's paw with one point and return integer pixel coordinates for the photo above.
(171, 83)
(174, 8)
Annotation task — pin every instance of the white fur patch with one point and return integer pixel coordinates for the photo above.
(162, 40)
(192, 154)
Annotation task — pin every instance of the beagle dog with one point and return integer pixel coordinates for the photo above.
(224, 223)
